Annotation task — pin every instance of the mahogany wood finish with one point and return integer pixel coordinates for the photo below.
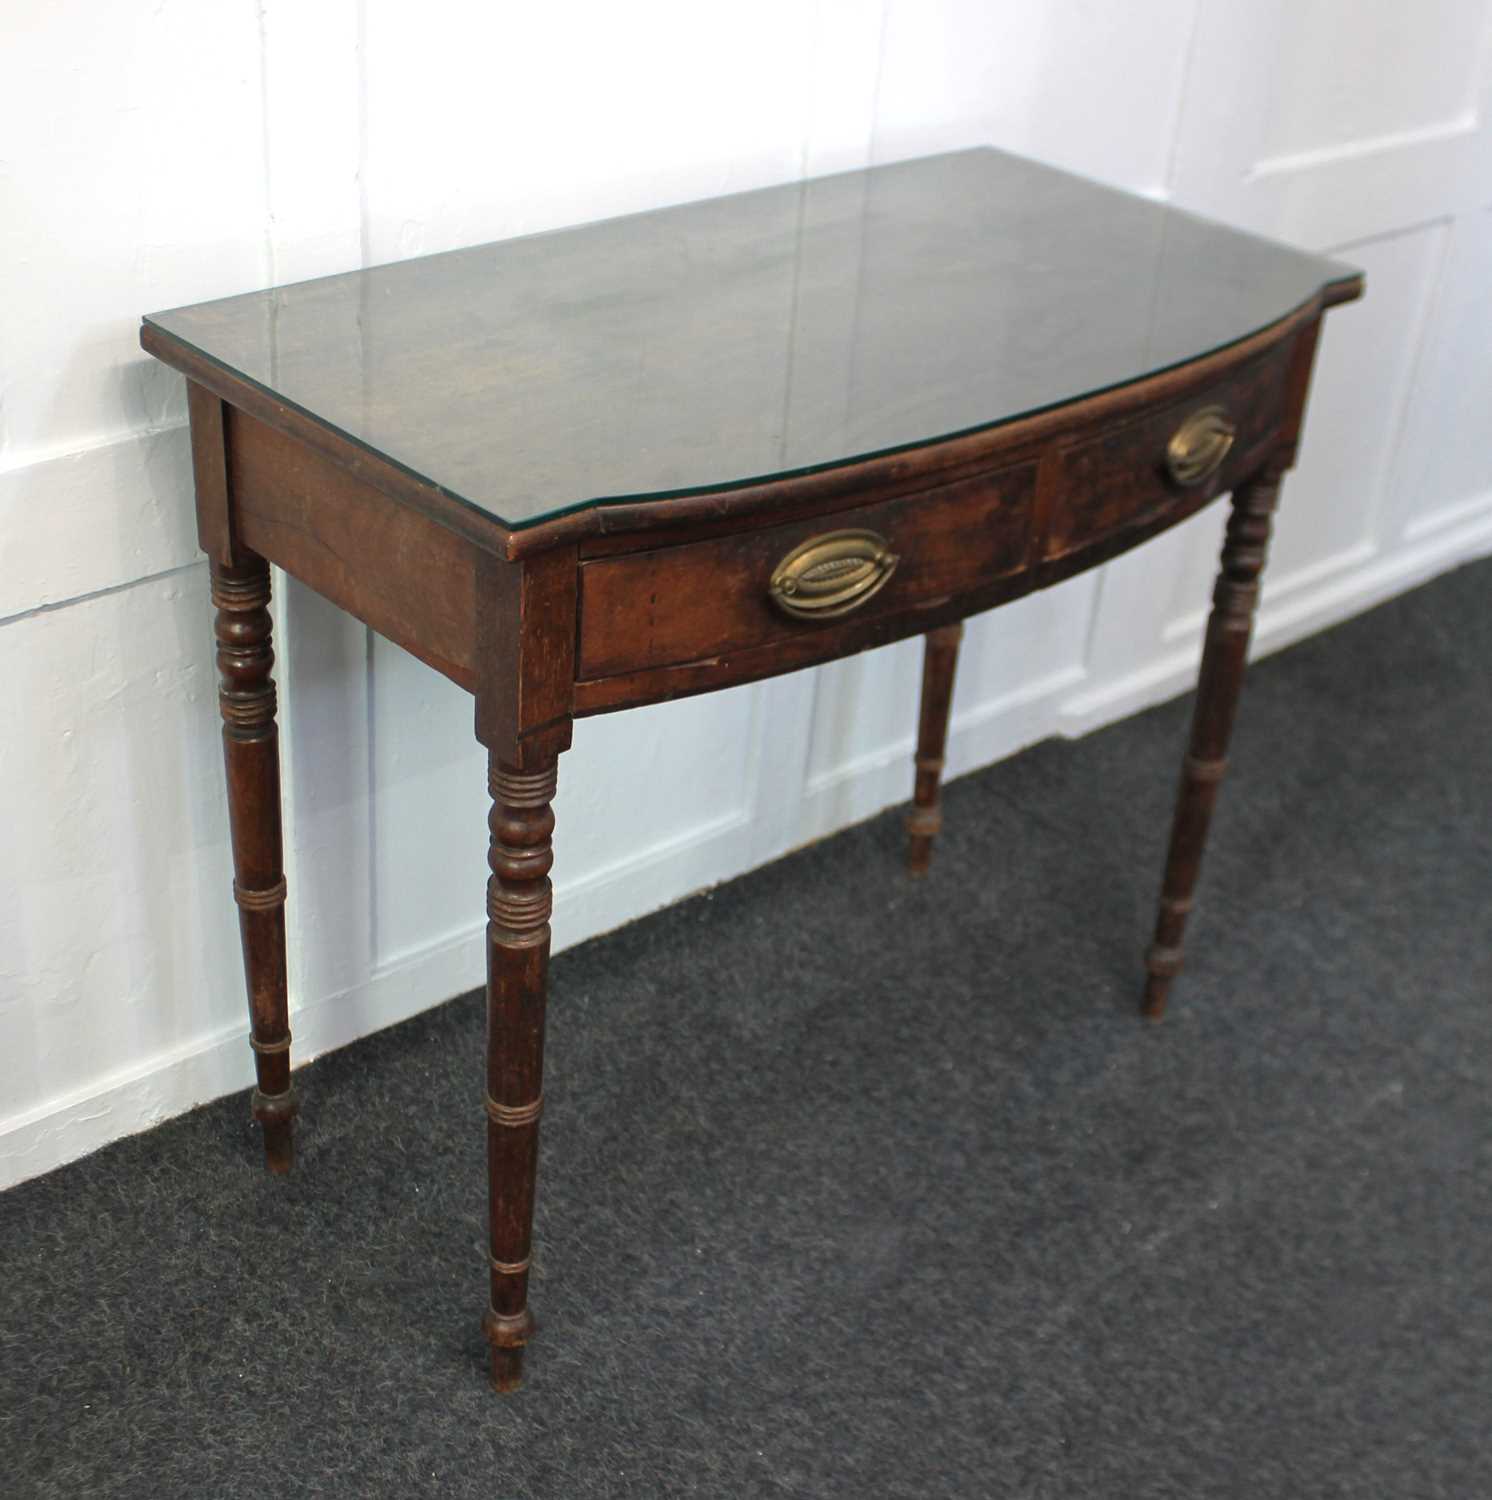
(925, 821)
(526, 639)
(518, 908)
(668, 611)
(321, 524)
(251, 754)
(614, 603)
(1117, 479)
(1223, 659)
(709, 599)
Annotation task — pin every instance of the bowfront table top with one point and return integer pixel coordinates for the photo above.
(665, 454)
(741, 339)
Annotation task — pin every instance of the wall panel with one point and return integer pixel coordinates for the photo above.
(1445, 459)
(1322, 97)
(118, 940)
(1366, 366)
(132, 179)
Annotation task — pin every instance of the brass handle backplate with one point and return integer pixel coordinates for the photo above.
(830, 575)
(1198, 447)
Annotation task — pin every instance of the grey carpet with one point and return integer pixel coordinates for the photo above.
(859, 1187)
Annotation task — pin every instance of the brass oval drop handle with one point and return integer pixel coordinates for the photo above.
(828, 576)
(1198, 447)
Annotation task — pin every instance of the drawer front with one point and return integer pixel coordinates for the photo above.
(699, 599)
(1146, 470)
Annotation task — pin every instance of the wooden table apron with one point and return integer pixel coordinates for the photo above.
(626, 604)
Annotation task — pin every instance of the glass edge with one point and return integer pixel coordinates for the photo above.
(1350, 278)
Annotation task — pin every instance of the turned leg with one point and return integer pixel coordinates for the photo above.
(939, 662)
(1223, 659)
(251, 754)
(518, 907)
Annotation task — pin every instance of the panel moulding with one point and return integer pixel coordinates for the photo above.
(978, 736)
(1333, 595)
(96, 519)
(1439, 132)
(968, 731)
(1450, 517)
(605, 898)
(1278, 592)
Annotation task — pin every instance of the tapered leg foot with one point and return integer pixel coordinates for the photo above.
(251, 756)
(1223, 660)
(518, 909)
(508, 1338)
(275, 1116)
(507, 1370)
(939, 663)
(1157, 991)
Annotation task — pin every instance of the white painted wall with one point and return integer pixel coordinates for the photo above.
(156, 152)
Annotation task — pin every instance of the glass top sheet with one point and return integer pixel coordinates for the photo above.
(744, 338)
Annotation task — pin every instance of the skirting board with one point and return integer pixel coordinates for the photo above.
(207, 1067)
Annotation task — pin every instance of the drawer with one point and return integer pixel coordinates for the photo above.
(730, 593)
(1141, 472)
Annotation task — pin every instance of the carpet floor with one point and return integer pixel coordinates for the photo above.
(859, 1186)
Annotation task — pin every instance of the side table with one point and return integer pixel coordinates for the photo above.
(670, 453)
